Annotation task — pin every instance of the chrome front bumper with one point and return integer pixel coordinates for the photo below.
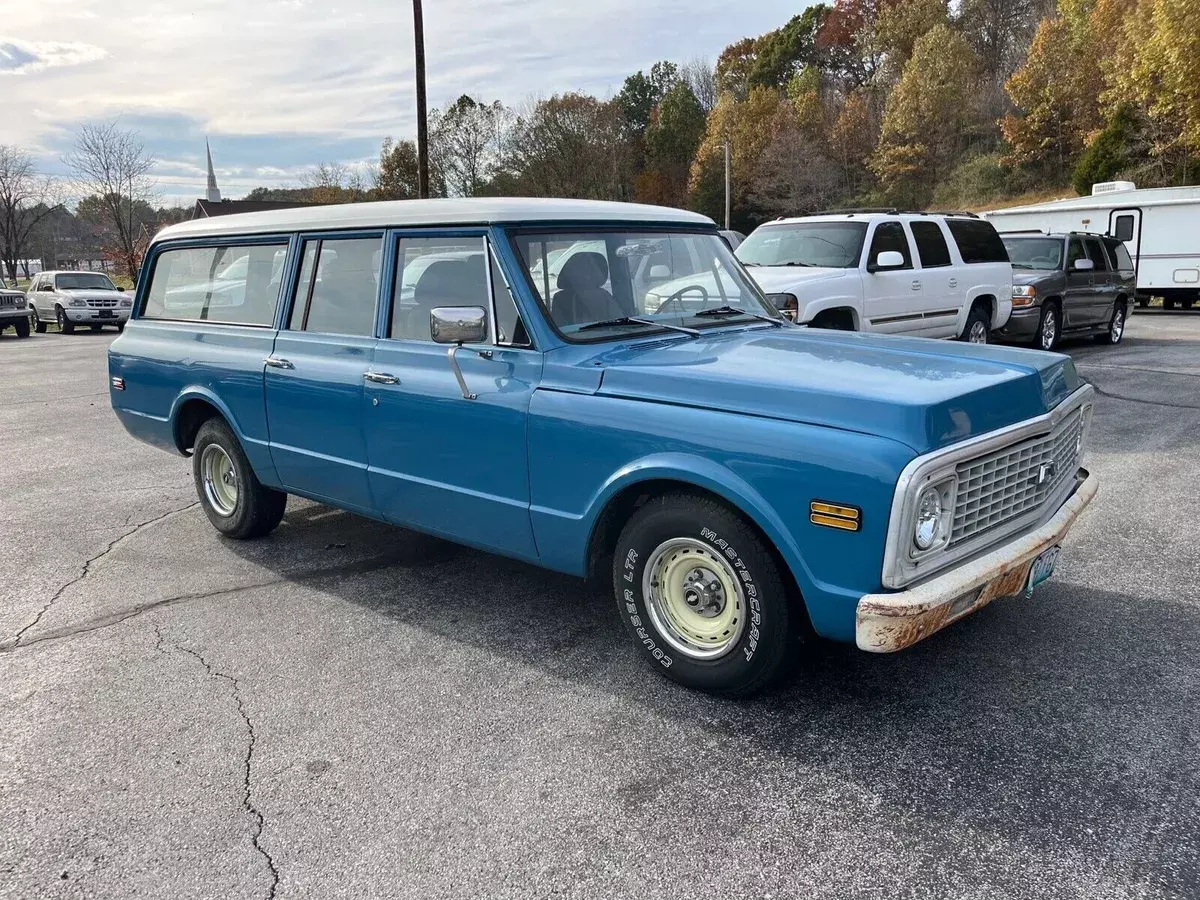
(886, 623)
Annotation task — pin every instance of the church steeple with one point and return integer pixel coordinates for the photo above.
(213, 194)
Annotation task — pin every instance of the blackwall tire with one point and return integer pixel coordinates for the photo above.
(235, 501)
(702, 596)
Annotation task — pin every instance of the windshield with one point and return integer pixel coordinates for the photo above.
(593, 284)
(1035, 253)
(84, 281)
(827, 245)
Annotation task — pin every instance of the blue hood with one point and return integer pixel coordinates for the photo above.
(923, 393)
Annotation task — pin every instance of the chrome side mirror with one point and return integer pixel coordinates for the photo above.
(459, 325)
(1083, 265)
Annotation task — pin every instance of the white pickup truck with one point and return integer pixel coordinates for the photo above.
(927, 274)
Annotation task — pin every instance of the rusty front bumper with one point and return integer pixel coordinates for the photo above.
(886, 623)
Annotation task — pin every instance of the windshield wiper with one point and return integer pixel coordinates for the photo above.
(752, 265)
(801, 264)
(722, 311)
(625, 321)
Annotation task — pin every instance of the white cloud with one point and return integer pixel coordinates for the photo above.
(19, 57)
(315, 78)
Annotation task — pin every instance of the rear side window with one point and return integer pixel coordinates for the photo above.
(931, 244)
(339, 283)
(890, 236)
(236, 284)
(1097, 255)
(1121, 258)
(977, 241)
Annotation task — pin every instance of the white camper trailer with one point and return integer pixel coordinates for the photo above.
(1160, 228)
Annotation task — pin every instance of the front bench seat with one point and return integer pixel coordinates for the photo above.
(581, 297)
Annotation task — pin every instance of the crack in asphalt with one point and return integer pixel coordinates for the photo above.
(1104, 393)
(314, 576)
(247, 799)
(86, 570)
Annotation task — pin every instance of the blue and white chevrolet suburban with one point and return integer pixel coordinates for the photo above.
(748, 482)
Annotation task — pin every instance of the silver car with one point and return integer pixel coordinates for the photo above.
(77, 298)
(13, 312)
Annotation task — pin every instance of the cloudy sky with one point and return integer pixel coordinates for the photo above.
(278, 85)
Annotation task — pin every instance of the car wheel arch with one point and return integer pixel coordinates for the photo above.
(192, 409)
(635, 486)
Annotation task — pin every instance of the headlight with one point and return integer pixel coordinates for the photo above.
(786, 304)
(77, 302)
(1024, 295)
(652, 303)
(935, 509)
(126, 302)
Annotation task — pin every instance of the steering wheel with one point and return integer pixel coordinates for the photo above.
(677, 298)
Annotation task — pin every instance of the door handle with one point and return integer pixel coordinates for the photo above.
(276, 362)
(916, 285)
(381, 378)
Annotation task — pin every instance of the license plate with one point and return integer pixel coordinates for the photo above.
(106, 314)
(1042, 568)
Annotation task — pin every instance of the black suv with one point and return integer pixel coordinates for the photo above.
(1068, 284)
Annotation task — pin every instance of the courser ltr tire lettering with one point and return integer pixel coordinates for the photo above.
(768, 635)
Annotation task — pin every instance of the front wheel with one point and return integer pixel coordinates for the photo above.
(1048, 328)
(21, 326)
(38, 325)
(237, 504)
(977, 330)
(65, 325)
(702, 596)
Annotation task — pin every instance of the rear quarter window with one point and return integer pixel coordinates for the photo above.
(977, 241)
(234, 284)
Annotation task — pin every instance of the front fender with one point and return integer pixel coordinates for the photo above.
(816, 306)
(712, 477)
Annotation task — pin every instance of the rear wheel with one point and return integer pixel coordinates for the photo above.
(977, 329)
(65, 325)
(235, 501)
(702, 596)
(1049, 328)
(1116, 326)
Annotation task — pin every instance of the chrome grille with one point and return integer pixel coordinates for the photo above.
(11, 300)
(1008, 483)
(101, 304)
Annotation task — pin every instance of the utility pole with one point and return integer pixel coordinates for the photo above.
(422, 125)
(728, 198)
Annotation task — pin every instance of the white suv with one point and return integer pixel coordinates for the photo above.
(928, 274)
(71, 299)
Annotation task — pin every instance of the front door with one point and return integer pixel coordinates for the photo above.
(1103, 289)
(893, 299)
(439, 461)
(1079, 296)
(315, 374)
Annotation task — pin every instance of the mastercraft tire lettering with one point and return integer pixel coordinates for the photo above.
(701, 594)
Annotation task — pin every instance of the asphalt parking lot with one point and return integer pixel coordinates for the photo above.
(347, 710)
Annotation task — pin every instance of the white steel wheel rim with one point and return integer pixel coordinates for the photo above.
(1049, 329)
(1118, 325)
(978, 333)
(220, 480)
(694, 598)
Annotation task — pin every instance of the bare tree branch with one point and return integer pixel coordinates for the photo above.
(25, 200)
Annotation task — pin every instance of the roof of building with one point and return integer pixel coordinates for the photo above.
(206, 209)
(457, 211)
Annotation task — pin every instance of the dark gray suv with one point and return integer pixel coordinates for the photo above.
(1068, 284)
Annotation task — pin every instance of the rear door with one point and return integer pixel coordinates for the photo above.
(940, 288)
(315, 375)
(893, 299)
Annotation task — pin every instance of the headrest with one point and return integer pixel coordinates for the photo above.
(450, 279)
(583, 271)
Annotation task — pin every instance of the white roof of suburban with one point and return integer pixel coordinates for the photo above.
(458, 211)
